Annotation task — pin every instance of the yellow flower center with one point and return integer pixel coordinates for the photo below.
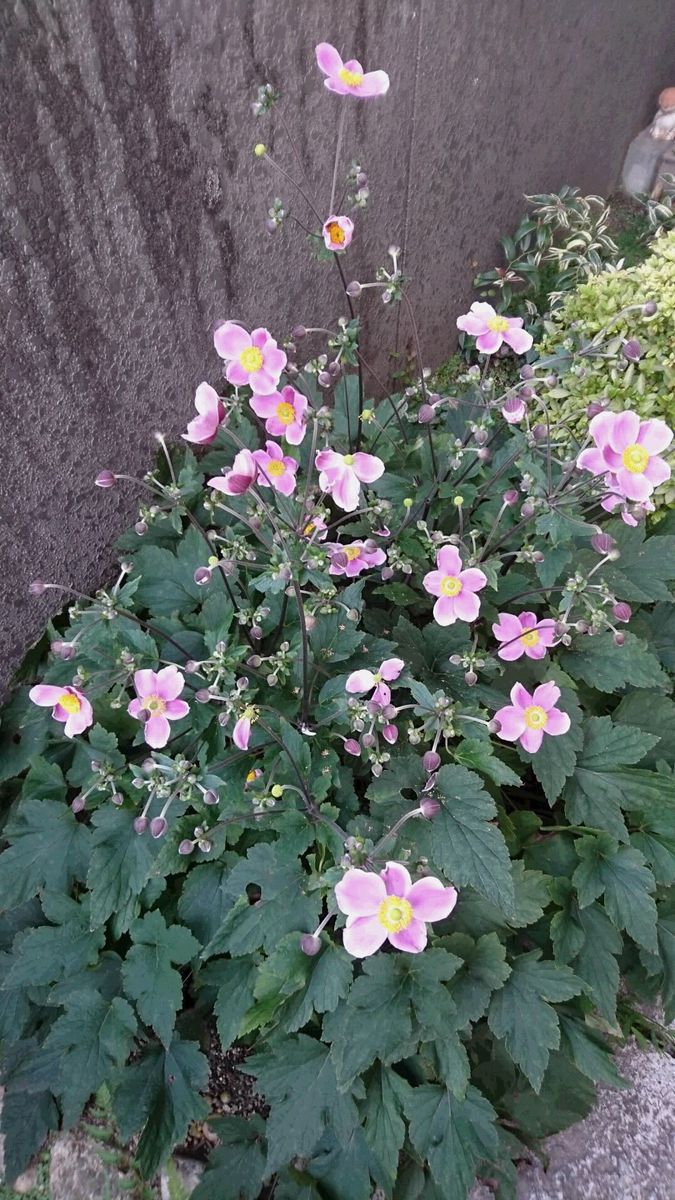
(154, 705)
(498, 324)
(352, 552)
(395, 913)
(72, 704)
(535, 716)
(336, 233)
(252, 776)
(450, 585)
(350, 78)
(285, 412)
(251, 359)
(531, 638)
(275, 467)
(635, 459)
(348, 459)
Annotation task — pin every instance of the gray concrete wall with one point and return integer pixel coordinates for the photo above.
(131, 207)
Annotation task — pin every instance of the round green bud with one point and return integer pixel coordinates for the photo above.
(260, 149)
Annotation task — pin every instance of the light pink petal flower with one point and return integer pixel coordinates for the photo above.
(546, 695)
(633, 486)
(328, 460)
(78, 722)
(476, 320)
(444, 610)
(512, 651)
(467, 605)
(473, 579)
(430, 900)
(328, 59)
(558, 722)
(489, 343)
(520, 696)
(241, 733)
(135, 708)
(368, 467)
(390, 734)
(391, 668)
(265, 406)
(655, 436)
(657, 471)
(170, 683)
(363, 936)
(145, 683)
(203, 429)
(230, 340)
(360, 893)
(432, 582)
(157, 731)
(346, 491)
(507, 627)
(519, 340)
(360, 681)
(176, 709)
(381, 697)
(624, 431)
(511, 723)
(45, 695)
(337, 233)
(531, 739)
(592, 460)
(448, 560)
(396, 879)
(413, 939)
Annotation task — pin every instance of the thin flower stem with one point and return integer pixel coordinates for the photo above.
(287, 176)
(338, 147)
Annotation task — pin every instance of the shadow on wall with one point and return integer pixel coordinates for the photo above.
(133, 208)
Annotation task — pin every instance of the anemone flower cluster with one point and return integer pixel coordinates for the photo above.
(250, 358)
(284, 413)
(627, 453)
(390, 907)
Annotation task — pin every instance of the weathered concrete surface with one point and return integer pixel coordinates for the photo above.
(132, 208)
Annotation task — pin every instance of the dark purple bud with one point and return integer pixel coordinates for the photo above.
(595, 407)
(352, 747)
(354, 289)
(471, 678)
(186, 846)
(202, 696)
(256, 632)
(527, 371)
(632, 350)
(324, 379)
(386, 573)
(141, 824)
(37, 587)
(527, 510)
(603, 543)
(361, 179)
(270, 225)
(334, 369)
(622, 611)
(105, 479)
(191, 666)
(310, 944)
(431, 761)
(551, 380)
(158, 827)
(510, 497)
(649, 309)
(64, 650)
(369, 740)
(202, 575)
(254, 661)
(540, 433)
(619, 639)
(77, 804)
(210, 797)
(298, 333)
(582, 627)
(426, 414)
(429, 807)
(140, 528)
(537, 556)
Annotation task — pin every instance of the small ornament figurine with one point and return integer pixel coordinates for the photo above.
(662, 127)
(650, 154)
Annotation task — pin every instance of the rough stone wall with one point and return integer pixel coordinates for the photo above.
(131, 207)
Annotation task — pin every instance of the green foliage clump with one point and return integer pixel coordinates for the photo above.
(612, 302)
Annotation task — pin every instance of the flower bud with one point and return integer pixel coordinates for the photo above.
(527, 510)
(254, 661)
(210, 797)
(622, 611)
(390, 734)
(202, 696)
(158, 827)
(431, 761)
(186, 846)
(202, 575)
(141, 824)
(140, 528)
(649, 309)
(510, 497)
(298, 332)
(259, 149)
(455, 659)
(37, 587)
(582, 627)
(369, 740)
(471, 678)
(310, 944)
(429, 807)
(77, 804)
(602, 542)
(484, 455)
(105, 479)
(632, 350)
(619, 639)
(539, 433)
(551, 380)
(493, 726)
(352, 747)
(354, 289)
(324, 379)
(426, 414)
(64, 650)
(334, 370)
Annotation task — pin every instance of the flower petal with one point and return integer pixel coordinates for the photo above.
(624, 431)
(45, 694)
(431, 900)
(368, 467)
(360, 893)
(531, 740)
(519, 340)
(489, 343)
(360, 681)
(157, 732)
(413, 939)
(444, 610)
(432, 582)
(176, 709)
(391, 668)
(230, 339)
(473, 579)
(558, 722)
(546, 695)
(145, 682)
(520, 696)
(655, 436)
(511, 723)
(170, 683)
(449, 561)
(327, 58)
(467, 605)
(396, 879)
(363, 936)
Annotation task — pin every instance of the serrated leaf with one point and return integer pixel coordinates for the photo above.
(44, 781)
(654, 837)
(454, 1136)
(604, 781)
(206, 897)
(520, 1015)
(94, 1036)
(645, 566)
(344, 1167)
(383, 1124)
(531, 895)
(484, 970)
(56, 951)
(149, 977)
(463, 843)
(479, 755)
(608, 668)
(167, 580)
(620, 874)
(565, 1097)
(236, 1168)
(160, 1091)
(655, 714)
(120, 866)
(297, 1078)
(329, 979)
(590, 1053)
(26, 1121)
(666, 940)
(48, 849)
(235, 977)
(283, 907)
(596, 962)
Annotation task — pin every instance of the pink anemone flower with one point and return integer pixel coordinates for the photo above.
(456, 588)
(276, 469)
(203, 428)
(630, 450)
(158, 703)
(239, 478)
(529, 717)
(342, 475)
(514, 409)
(490, 329)
(363, 681)
(337, 233)
(252, 358)
(354, 558)
(284, 413)
(523, 634)
(389, 906)
(315, 530)
(349, 78)
(68, 704)
(241, 734)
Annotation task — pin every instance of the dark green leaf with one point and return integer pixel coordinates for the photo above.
(48, 849)
(590, 1052)
(56, 951)
(236, 1169)
(149, 978)
(454, 1136)
(602, 665)
(94, 1037)
(618, 873)
(383, 1124)
(121, 863)
(484, 970)
(519, 1012)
